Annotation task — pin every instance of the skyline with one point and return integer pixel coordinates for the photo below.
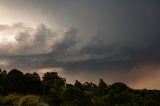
(83, 40)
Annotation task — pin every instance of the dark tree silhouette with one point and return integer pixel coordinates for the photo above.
(102, 88)
(119, 87)
(54, 91)
(15, 81)
(76, 96)
(78, 85)
(32, 83)
(50, 76)
(3, 85)
(52, 80)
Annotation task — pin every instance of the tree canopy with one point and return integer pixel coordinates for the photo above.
(17, 87)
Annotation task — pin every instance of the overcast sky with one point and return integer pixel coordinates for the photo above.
(117, 40)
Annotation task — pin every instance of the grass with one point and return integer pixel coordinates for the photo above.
(19, 100)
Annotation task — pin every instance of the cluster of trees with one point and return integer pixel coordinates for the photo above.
(52, 90)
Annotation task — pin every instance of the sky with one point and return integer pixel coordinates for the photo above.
(85, 40)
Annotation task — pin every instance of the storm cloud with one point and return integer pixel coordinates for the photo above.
(115, 40)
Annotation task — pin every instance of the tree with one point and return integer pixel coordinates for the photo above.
(52, 80)
(102, 88)
(78, 85)
(53, 98)
(119, 87)
(76, 96)
(15, 81)
(69, 85)
(3, 83)
(58, 93)
(3, 75)
(50, 76)
(32, 84)
(59, 83)
(88, 85)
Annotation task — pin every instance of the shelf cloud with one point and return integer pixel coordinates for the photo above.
(118, 41)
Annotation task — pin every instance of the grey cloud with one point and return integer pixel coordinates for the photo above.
(37, 42)
(40, 40)
(67, 40)
(44, 48)
(38, 48)
(112, 36)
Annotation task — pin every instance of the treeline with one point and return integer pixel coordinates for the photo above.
(19, 89)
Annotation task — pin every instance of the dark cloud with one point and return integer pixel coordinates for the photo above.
(110, 37)
(38, 48)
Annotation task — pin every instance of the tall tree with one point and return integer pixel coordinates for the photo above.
(32, 83)
(102, 88)
(15, 81)
(52, 80)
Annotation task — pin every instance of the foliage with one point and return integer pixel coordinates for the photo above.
(29, 89)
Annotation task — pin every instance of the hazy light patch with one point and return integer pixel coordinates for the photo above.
(4, 63)
(10, 15)
(146, 76)
(149, 82)
(9, 32)
(7, 37)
